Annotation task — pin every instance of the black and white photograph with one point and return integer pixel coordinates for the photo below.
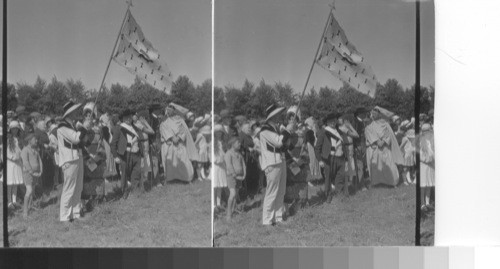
(109, 123)
(323, 123)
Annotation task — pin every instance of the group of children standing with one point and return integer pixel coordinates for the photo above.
(24, 166)
(229, 169)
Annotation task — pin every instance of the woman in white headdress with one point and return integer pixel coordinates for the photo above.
(178, 149)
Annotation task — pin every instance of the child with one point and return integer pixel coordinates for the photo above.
(32, 169)
(219, 165)
(408, 149)
(203, 151)
(14, 163)
(235, 170)
(427, 165)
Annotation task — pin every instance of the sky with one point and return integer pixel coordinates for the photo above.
(74, 39)
(276, 40)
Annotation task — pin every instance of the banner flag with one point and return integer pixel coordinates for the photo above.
(344, 61)
(140, 58)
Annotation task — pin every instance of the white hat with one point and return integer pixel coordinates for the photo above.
(206, 130)
(14, 124)
(273, 110)
(294, 109)
(69, 108)
(91, 107)
(219, 128)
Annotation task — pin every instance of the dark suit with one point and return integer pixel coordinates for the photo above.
(130, 164)
(360, 150)
(334, 165)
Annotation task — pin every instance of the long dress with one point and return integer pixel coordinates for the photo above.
(202, 147)
(427, 166)
(219, 167)
(382, 161)
(408, 150)
(177, 157)
(14, 165)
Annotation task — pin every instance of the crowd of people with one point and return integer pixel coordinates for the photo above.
(83, 150)
(340, 153)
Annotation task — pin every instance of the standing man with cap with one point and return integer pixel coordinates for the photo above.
(127, 150)
(361, 120)
(329, 151)
(71, 161)
(273, 142)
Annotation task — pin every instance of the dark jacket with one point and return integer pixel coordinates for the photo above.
(323, 145)
(119, 141)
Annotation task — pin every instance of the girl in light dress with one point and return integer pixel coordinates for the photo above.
(408, 148)
(427, 165)
(202, 143)
(219, 166)
(14, 163)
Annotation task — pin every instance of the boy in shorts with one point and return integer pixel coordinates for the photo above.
(235, 170)
(32, 169)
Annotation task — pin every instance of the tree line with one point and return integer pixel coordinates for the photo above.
(252, 100)
(49, 97)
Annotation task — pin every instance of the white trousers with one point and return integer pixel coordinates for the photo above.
(71, 203)
(274, 208)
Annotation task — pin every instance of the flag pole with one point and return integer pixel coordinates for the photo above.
(4, 128)
(129, 4)
(417, 122)
(315, 56)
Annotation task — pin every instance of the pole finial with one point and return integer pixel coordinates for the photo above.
(332, 5)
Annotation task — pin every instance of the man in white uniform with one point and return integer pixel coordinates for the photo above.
(71, 162)
(273, 146)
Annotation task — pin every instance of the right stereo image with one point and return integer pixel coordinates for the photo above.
(323, 123)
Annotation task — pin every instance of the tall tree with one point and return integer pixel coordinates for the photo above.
(54, 97)
(11, 97)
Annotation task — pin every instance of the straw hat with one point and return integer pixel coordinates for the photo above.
(14, 124)
(273, 110)
(206, 130)
(219, 128)
(69, 108)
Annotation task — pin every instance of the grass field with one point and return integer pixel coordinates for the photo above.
(379, 216)
(175, 215)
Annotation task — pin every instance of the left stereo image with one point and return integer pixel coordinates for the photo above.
(109, 124)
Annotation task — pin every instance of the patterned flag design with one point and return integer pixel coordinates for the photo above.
(344, 61)
(140, 58)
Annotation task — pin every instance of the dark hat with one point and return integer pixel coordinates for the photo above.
(273, 110)
(126, 113)
(69, 108)
(360, 110)
(154, 107)
(143, 113)
(224, 114)
(332, 115)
